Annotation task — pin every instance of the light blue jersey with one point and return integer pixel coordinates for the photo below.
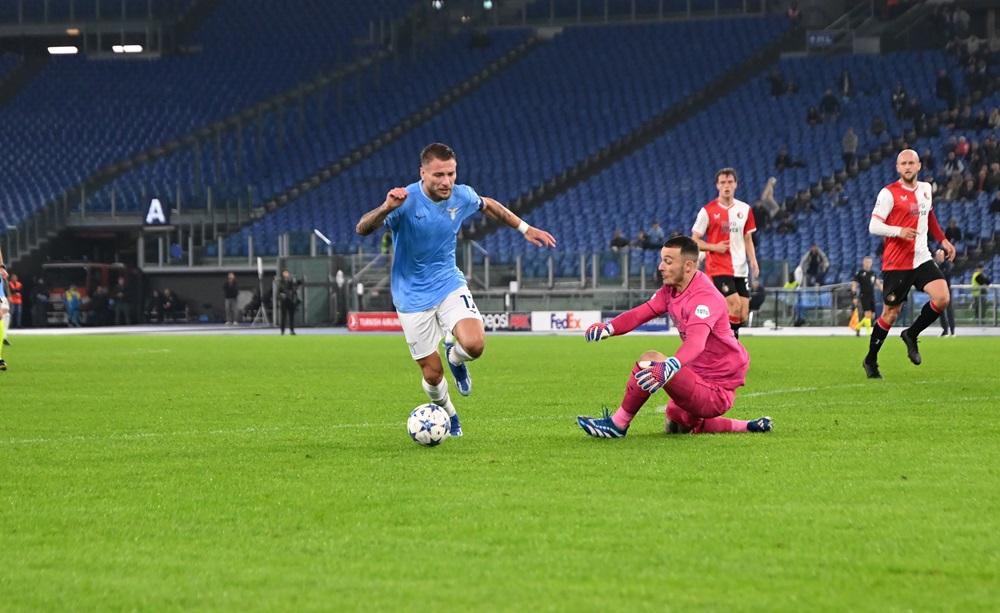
(424, 235)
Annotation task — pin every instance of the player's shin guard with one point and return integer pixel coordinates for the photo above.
(634, 398)
(879, 332)
(439, 395)
(927, 316)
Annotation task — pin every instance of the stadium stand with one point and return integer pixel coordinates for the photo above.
(548, 122)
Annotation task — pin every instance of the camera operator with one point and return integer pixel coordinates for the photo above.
(288, 300)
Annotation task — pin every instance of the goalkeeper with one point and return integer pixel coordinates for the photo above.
(701, 378)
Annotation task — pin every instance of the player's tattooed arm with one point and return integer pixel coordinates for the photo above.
(371, 220)
(498, 212)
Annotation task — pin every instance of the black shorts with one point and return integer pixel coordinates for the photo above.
(896, 284)
(866, 302)
(732, 285)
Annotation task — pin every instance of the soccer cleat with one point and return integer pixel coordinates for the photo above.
(456, 426)
(871, 369)
(601, 427)
(761, 424)
(461, 372)
(911, 346)
(3, 365)
(6, 342)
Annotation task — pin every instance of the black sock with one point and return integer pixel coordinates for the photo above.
(926, 318)
(875, 343)
(736, 329)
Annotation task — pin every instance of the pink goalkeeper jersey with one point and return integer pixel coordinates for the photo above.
(724, 360)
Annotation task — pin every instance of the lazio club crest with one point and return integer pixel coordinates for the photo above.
(453, 212)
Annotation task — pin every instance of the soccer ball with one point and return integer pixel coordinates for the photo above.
(428, 424)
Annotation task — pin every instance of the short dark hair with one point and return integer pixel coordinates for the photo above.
(726, 171)
(437, 151)
(689, 248)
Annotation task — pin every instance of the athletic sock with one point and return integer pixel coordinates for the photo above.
(927, 316)
(439, 395)
(634, 398)
(458, 355)
(3, 334)
(736, 329)
(879, 332)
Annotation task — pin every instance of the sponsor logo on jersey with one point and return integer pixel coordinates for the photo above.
(701, 311)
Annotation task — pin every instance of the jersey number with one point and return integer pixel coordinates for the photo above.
(469, 304)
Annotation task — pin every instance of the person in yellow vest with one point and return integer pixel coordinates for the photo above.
(979, 283)
(72, 300)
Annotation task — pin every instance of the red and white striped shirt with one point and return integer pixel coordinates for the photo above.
(898, 207)
(716, 223)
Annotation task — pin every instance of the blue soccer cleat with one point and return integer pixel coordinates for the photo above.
(601, 427)
(761, 424)
(456, 426)
(461, 372)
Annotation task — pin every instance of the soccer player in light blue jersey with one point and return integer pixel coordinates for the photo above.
(430, 293)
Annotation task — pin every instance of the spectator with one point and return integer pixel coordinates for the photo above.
(288, 300)
(121, 303)
(757, 295)
(829, 105)
(968, 191)
(778, 85)
(813, 117)
(992, 182)
(40, 304)
(173, 308)
(845, 84)
(953, 187)
(794, 13)
(953, 233)
(154, 308)
(767, 199)
(928, 161)
(72, 300)
(953, 165)
(877, 127)
(641, 240)
(16, 298)
(962, 147)
(979, 283)
(99, 306)
(619, 241)
(995, 205)
(783, 160)
(849, 147)
(994, 119)
(230, 291)
(814, 264)
(948, 315)
(945, 88)
(899, 99)
(656, 236)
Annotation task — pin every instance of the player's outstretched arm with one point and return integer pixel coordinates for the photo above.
(501, 214)
(371, 220)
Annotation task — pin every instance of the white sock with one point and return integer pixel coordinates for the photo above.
(439, 395)
(458, 355)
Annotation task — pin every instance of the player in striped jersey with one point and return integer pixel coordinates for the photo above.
(722, 230)
(904, 215)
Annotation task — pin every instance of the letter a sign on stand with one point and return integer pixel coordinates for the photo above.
(156, 214)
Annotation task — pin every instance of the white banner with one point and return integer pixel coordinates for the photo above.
(563, 321)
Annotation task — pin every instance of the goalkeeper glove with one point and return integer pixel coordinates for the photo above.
(599, 331)
(655, 375)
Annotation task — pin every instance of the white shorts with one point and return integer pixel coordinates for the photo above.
(424, 330)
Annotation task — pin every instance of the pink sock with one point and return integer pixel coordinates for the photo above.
(714, 425)
(631, 403)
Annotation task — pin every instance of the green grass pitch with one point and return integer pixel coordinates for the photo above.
(268, 473)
